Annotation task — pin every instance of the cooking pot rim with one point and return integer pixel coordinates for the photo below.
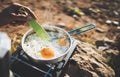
(31, 30)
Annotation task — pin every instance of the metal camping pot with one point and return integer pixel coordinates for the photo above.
(54, 28)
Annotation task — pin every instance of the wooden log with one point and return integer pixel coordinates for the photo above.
(87, 62)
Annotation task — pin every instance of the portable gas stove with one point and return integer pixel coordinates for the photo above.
(21, 67)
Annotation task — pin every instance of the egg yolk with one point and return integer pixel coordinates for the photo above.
(47, 53)
(62, 42)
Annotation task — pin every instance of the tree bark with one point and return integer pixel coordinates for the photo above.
(88, 62)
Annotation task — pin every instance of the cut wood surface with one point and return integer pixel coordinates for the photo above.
(88, 62)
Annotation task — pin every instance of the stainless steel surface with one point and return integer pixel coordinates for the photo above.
(5, 41)
(5, 45)
(11, 73)
(4, 62)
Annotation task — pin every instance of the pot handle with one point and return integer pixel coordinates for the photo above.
(85, 29)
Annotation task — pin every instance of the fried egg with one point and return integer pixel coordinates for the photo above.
(47, 53)
(62, 41)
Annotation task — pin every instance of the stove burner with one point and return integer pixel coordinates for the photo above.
(23, 67)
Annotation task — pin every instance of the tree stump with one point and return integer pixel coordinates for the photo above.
(87, 62)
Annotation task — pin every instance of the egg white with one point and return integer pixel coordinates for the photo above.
(33, 45)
